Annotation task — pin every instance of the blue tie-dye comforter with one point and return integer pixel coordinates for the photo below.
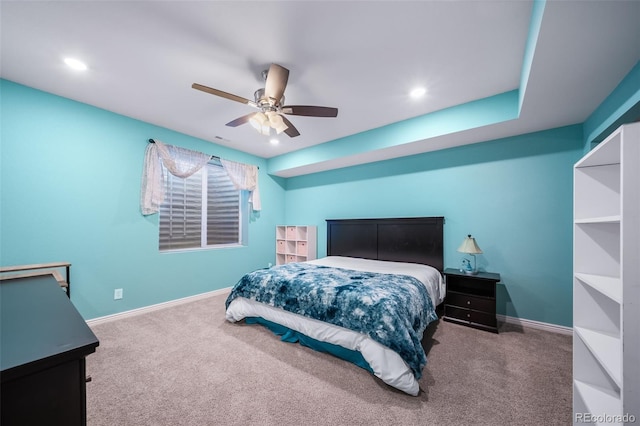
(393, 310)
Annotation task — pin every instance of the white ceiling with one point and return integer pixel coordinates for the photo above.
(362, 57)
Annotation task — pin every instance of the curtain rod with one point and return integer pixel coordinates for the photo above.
(213, 156)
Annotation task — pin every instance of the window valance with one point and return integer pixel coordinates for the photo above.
(183, 163)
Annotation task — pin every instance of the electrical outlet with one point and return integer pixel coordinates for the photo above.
(117, 294)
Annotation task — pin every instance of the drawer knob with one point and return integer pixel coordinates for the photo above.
(468, 315)
(468, 302)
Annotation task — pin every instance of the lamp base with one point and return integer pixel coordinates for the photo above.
(471, 272)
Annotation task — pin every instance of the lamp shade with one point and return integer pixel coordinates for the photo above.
(469, 246)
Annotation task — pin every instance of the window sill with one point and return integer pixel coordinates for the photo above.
(216, 247)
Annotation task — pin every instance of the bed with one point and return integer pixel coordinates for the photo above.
(369, 301)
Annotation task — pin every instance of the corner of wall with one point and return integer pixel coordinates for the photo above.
(622, 106)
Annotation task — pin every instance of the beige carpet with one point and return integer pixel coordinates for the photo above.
(185, 365)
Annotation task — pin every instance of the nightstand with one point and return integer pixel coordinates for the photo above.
(471, 299)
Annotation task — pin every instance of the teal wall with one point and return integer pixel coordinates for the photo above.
(70, 189)
(513, 195)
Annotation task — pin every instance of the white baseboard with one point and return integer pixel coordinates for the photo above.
(561, 329)
(502, 318)
(134, 312)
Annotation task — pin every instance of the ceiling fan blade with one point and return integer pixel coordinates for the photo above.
(240, 120)
(310, 111)
(277, 78)
(221, 94)
(291, 131)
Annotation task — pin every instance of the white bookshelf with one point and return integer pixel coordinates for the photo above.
(295, 243)
(606, 283)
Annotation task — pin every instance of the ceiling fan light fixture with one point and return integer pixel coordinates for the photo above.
(258, 121)
(276, 122)
(270, 116)
(281, 128)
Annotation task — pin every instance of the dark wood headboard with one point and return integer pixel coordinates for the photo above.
(413, 240)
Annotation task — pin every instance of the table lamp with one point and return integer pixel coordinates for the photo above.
(469, 246)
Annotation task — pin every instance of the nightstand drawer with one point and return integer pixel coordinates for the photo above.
(471, 302)
(470, 315)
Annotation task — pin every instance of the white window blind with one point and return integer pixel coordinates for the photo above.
(203, 210)
(223, 208)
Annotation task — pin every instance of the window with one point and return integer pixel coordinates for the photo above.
(202, 211)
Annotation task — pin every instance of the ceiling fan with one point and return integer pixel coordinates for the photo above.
(270, 102)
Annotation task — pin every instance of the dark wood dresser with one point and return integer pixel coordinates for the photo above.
(43, 344)
(471, 299)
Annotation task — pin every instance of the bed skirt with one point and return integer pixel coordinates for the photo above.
(292, 336)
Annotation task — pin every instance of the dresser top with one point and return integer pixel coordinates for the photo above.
(39, 322)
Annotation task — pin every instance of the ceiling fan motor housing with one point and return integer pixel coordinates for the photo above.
(267, 104)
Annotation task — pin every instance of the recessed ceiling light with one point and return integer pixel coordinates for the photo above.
(418, 92)
(75, 64)
(274, 141)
